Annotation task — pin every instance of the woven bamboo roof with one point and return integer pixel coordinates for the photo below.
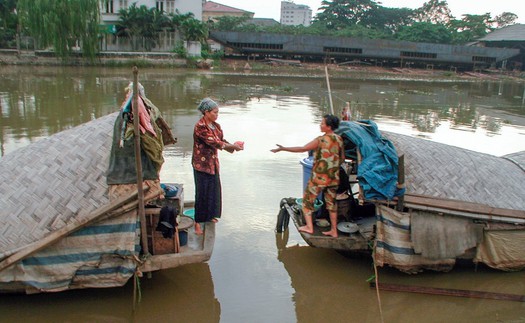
(443, 171)
(53, 181)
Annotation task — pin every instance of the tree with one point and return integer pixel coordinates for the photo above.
(142, 23)
(470, 28)
(194, 30)
(434, 11)
(338, 14)
(425, 32)
(229, 23)
(505, 19)
(191, 29)
(178, 18)
(8, 22)
(389, 20)
(62, 24)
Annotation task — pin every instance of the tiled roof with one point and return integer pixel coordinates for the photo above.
(217, 7)
(508, 33)
(263, 22)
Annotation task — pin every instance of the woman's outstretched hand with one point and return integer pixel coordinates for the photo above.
(278, 149)
(231, 148)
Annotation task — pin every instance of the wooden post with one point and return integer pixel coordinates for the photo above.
(138, 162)
(401, 181)
(329, 90)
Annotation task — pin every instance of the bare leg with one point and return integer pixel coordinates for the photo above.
(333, 225)
(309, 227)
(198, 229)
(215, 220)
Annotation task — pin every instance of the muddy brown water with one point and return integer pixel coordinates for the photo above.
(256, 275)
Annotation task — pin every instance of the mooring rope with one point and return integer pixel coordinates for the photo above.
(377, 283)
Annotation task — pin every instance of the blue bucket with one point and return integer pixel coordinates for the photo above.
(183, 237)
(189, 213)
(307, 163)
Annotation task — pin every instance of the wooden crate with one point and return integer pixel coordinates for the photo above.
(157, 244)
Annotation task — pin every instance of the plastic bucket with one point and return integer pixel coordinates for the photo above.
(183, 237)
(317, 203)
(189, 213)
(307, 163)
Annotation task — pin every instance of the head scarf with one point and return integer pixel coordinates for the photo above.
(207, 104)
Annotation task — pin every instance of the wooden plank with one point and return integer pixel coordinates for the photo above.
(462, 206)
(449, 292)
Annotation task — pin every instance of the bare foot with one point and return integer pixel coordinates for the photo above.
(306, 229)
(198, 229)
(331, 233)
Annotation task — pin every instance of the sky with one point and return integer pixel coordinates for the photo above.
(272, 8)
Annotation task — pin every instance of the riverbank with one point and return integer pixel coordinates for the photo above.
(263, 67)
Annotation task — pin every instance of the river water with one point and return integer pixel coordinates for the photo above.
(256, 275)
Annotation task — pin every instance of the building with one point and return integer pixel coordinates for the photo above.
(166, 42)
(348, 50)
(295, 14)
(512, 36)
(110, 8)
(263, 22)
(213, 10)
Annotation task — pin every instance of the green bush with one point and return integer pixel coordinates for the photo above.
(216, 55)
(180, 50)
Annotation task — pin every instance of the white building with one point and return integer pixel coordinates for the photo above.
(295, 14)
(109, 10)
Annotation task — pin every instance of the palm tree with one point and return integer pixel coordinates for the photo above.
(194, 30)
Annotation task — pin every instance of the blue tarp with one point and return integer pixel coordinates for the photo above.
(377, 172)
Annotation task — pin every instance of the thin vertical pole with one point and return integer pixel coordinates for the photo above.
(329, 90)
(401, 181)
(138, 162)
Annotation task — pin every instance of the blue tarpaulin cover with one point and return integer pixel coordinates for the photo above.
(377, 172)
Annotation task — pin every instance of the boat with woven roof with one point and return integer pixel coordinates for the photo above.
(73, 216)
(429, 206)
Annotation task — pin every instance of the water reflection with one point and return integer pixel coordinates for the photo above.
(184, 294)
(327, 286)
(37, 101)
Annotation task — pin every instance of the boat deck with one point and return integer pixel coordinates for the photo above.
(357, 242)
(198, 249)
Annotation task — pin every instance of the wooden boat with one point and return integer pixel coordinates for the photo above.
(458, 205)
(64, 227)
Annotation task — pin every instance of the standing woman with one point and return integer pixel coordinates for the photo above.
(208, 138)
(328, 157)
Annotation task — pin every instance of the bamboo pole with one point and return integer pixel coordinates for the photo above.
(449, 292)
(329, 90)
(138, 162)
(66, 230)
